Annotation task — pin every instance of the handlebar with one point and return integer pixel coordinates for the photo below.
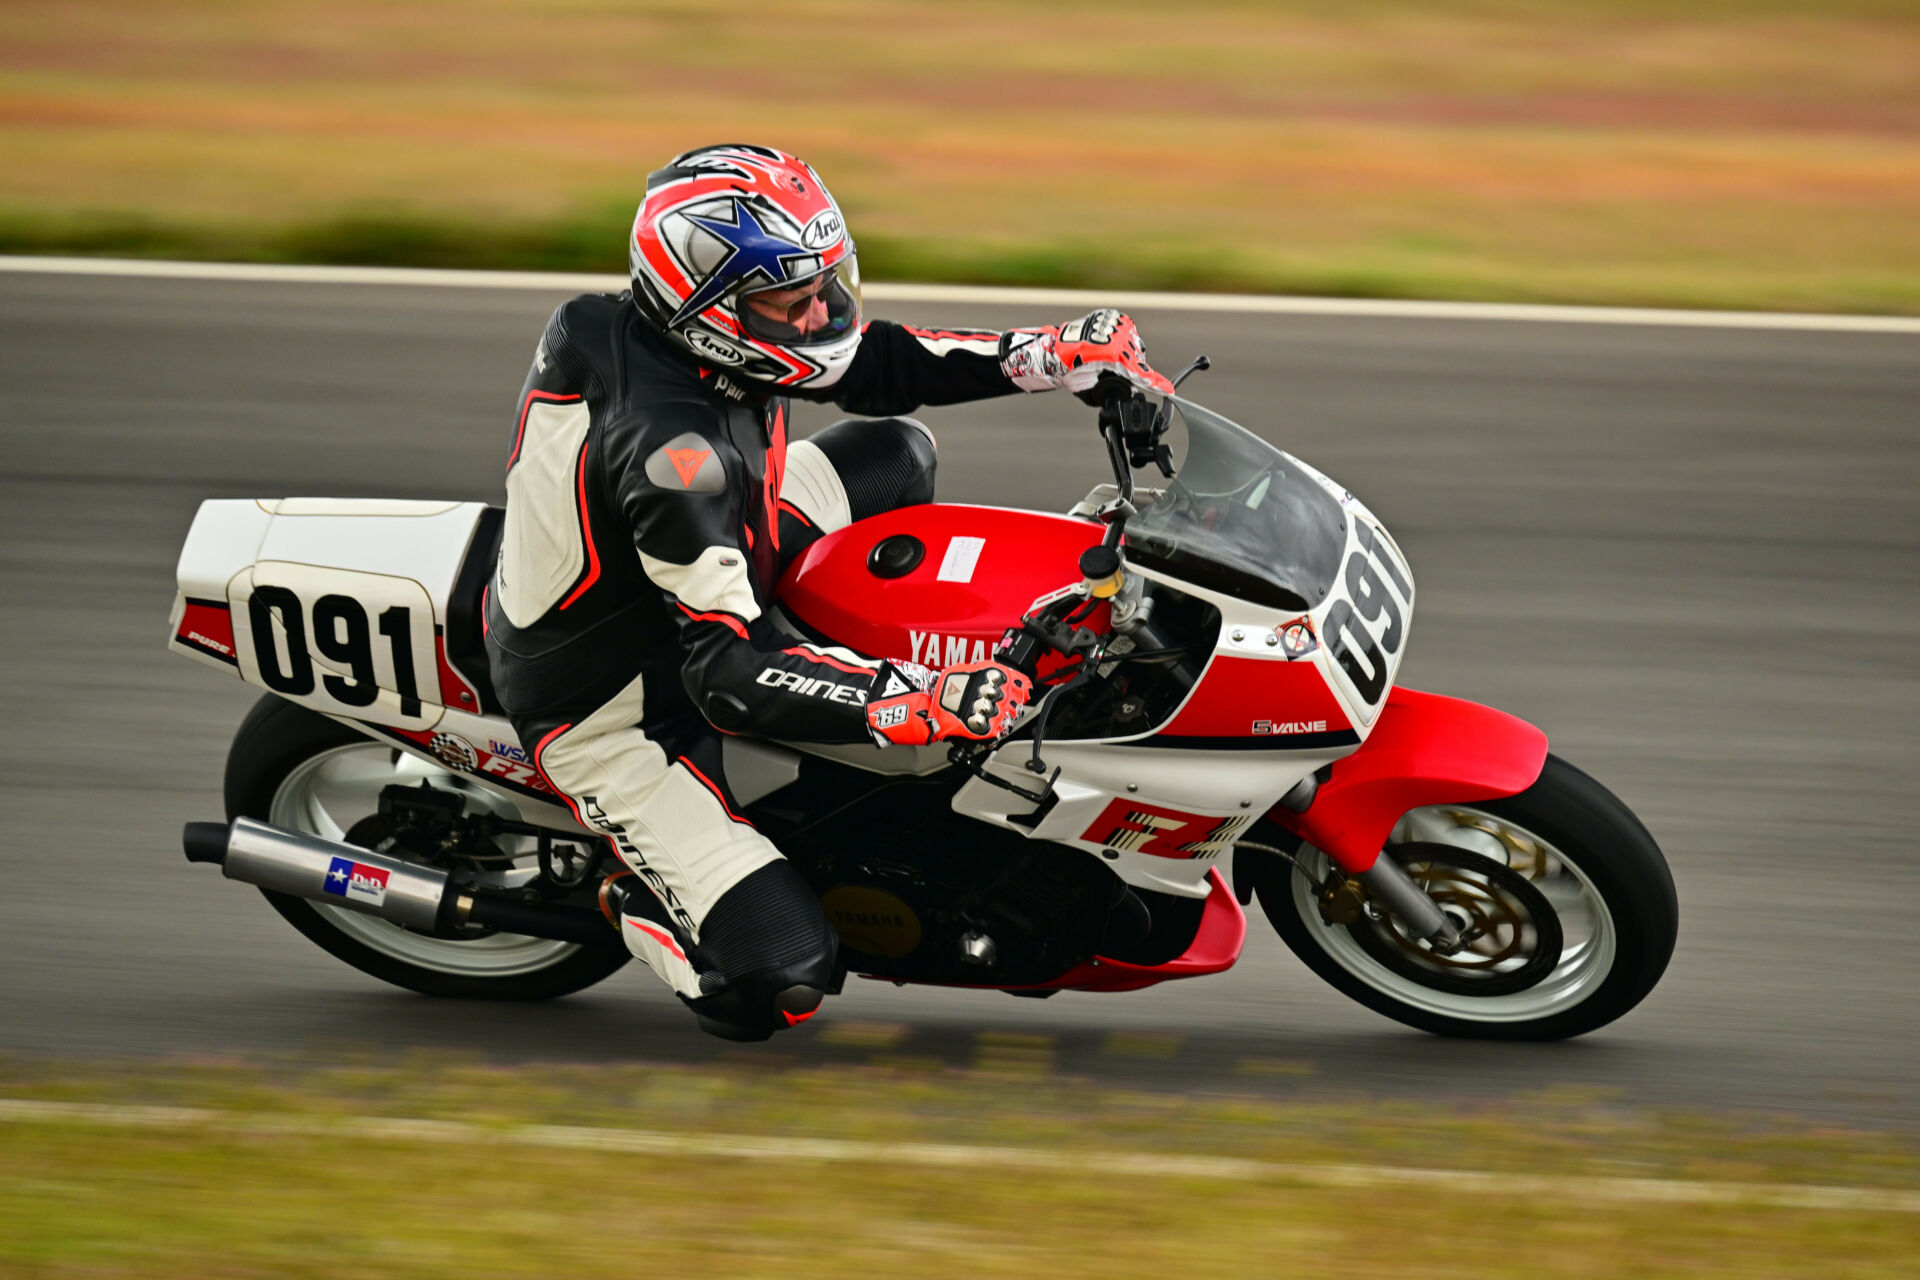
(1132, 427)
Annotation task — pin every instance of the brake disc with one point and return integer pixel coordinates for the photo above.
(1511, 935)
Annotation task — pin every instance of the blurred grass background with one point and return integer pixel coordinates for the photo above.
(194, 1201)
(1718, 153)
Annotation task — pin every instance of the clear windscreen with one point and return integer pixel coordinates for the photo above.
(820, 309)
(1241, 517)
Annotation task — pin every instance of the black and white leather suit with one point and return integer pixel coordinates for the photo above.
(652, 502)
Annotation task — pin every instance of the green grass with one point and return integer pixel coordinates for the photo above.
(1387, 271)
(79, 1200)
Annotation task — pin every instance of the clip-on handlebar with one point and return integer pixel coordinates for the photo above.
(1132, 427)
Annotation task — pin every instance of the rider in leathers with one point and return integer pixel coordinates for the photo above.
(653, 499)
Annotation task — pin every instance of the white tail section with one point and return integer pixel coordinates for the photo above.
(336, 604)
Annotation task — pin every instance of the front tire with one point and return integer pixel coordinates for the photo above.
(1574, 900)
(298, 769)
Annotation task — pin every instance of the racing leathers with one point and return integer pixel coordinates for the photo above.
(651, 504)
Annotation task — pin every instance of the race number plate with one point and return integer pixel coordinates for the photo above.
(1366, 628)
(339, 641)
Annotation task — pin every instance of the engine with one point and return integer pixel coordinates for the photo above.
(978, 915)
(919, 892)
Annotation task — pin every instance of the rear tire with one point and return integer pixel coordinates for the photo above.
(1616, 915)
(277, 750)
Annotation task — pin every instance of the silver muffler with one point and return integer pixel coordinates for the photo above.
(327, 871)
(342, 875)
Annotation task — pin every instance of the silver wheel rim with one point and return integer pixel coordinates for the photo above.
(327, 793)
(1588, 947)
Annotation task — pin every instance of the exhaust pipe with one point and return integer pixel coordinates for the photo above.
(342, 875)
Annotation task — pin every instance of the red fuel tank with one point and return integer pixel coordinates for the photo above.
(934, 584)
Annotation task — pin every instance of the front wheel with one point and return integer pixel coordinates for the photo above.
(1566, 902)
(298, 769)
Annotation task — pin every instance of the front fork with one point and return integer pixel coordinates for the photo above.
(1424, 749)
(1394, 889)
(1342, 898)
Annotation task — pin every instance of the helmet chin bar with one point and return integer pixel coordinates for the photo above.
(745, 356)
(749, 362)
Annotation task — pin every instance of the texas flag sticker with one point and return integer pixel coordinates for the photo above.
(349, 879)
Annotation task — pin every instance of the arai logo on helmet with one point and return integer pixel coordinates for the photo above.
(705, 344)
(825, 230)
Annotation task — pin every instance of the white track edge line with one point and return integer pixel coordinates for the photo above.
(1130, 299)
(958, 1156)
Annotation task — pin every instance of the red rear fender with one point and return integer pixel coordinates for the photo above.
(1426, 749)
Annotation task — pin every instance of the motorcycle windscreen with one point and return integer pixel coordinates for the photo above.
(1242, 518)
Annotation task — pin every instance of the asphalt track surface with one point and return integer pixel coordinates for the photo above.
(1691, 555)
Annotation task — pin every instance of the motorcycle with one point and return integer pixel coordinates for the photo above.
(1214, 666)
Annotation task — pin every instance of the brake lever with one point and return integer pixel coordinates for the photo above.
(1200, 365)
(1044, 712)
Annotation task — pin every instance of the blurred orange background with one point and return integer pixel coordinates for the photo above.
(1698, 152)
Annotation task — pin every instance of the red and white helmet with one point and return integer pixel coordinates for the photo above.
(723, 223)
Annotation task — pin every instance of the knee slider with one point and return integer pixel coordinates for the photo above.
(758, 1007)
(771, 944)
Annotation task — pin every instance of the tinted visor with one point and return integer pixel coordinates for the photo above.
(819, 309)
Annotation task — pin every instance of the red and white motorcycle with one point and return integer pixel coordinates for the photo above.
(1217, 661)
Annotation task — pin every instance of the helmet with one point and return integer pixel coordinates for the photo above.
(740, 256)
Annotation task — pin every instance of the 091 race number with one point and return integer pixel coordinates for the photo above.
(1366, 628)
(340, 641)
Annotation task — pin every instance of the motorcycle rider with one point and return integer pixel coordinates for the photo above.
(653, 499)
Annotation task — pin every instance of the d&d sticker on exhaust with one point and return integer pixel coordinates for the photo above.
(356, 880)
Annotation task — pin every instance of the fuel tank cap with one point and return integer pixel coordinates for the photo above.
(896, 557)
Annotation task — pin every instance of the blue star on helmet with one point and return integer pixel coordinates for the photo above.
(752, 252)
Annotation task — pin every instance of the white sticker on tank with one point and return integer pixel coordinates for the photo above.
(962, 555)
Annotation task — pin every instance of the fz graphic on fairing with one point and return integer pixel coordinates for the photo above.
(764, 714)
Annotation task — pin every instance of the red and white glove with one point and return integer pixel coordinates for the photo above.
(912, 706)
(1074, 356)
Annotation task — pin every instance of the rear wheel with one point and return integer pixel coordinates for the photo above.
(1566, 902)
(298, 769)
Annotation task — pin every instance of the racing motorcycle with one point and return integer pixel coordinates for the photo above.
(1216, 718)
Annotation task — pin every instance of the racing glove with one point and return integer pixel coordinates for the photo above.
(1075, 355)
(913, 706)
